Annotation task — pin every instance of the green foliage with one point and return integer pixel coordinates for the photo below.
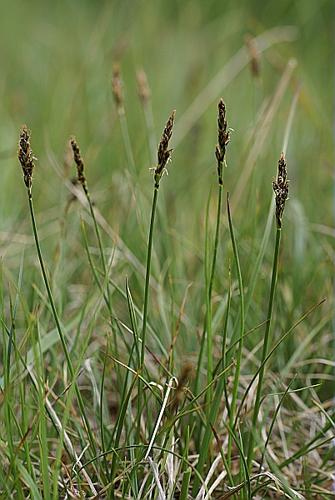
(87, 408)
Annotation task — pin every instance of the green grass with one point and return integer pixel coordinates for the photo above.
(145, 350)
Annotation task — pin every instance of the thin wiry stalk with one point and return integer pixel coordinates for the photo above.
(273, 420)
(185, 484)
(265, 346)
(220, 153)
(210, 289)
(26, 159)
(280, 187)
(60, 430)
(8, 402)
(58, 325)
(42, 425)
(82, 180)
(147, 272)
(101, 406)
(224, 344)
(164, 155)
(204, 337)
(145, 306)
(214, 409)
(107, 297)
(242, 318)
(270, 354)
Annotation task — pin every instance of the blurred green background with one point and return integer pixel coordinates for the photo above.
(56, 68)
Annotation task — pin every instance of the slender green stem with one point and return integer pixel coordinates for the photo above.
(240, 343)
(214, 411)
(216, 241)
(101, 407)
(208, 319)
(274, 418)
(147, 273)
(96, 229)
(103, 259)
(265, 347)
(42, 424)
(107, 301)
(209, 298)
(145, 306)
(57, 321)
(185, 484)
(101, 250)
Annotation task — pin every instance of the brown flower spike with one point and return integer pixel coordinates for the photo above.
(26, 156)
(223, 139)
(79, 163)
(280, 188)
(164, 154)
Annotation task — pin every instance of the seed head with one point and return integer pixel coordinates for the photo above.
(223, 138)
(164, 154)
(143, 86)
(79, 163)
(117, 88)
(253, 55)
(280, 188)
(26, 156)
(187, 373)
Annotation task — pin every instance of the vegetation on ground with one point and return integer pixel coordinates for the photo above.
(167, 336)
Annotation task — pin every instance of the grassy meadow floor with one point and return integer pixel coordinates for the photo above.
(133, 319)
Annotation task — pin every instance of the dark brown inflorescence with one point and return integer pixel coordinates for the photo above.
(26, 156)
(79, 163)
(280, 188)
(164, 153)
(223, 139)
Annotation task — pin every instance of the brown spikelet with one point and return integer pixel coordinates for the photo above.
(117, 87)
(280, 188)
(253, 55)
(223, 139)
(143, 86)
(79, 163)
(26, 156)
(164, 153)
(186, 375)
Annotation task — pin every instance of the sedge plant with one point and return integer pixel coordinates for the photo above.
(280, 188)
(220, 154)
(163, 157)
(137, 450)
(27, 161)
